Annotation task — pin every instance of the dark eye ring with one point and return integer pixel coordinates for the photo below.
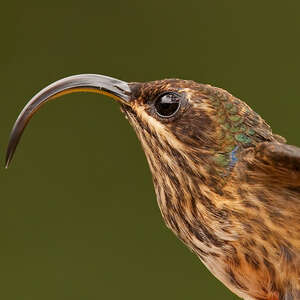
(167, 104)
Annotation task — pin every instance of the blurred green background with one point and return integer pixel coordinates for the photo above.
(78, 217)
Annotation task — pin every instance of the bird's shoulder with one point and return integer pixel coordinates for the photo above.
(269, 162)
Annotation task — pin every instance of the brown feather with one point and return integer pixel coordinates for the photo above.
(238, 211)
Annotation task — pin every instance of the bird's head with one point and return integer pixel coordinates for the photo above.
(186, 128)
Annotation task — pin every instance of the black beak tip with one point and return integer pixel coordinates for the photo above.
(8, 158)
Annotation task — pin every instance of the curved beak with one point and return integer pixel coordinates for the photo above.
(114, 88)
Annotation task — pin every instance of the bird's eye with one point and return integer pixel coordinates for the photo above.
(167, 104)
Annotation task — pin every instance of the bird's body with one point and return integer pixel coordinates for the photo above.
(226, 185)
(228, 199)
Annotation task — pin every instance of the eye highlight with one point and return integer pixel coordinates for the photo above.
(167, 104)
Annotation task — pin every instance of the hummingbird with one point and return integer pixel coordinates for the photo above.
(226, 185)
